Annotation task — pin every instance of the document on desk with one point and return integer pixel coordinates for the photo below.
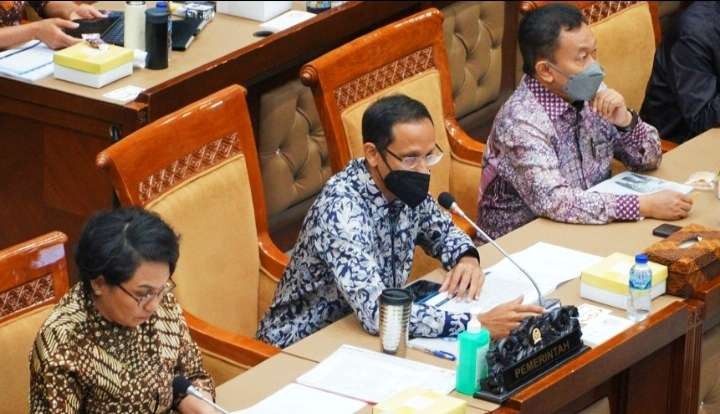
(628, 182)
(372, 376)
(28, 62)
(548, 264)
(299, 399)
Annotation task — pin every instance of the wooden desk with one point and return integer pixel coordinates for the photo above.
(658, 357)
(51, 131)
(268, 377)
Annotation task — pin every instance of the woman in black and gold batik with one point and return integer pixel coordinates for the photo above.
(117, 339)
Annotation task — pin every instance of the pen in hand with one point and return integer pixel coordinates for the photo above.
(439, 354)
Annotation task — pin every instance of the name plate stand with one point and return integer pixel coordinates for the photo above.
(539, 345)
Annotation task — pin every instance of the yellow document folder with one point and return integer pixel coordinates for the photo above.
(607, 280)
(84, 58)
(420, 401)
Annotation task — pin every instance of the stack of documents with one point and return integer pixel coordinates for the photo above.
(637, 184)
(96, 67)
(548, 264)
(28, 62)
(299, 399)
(607, 280)
(373, 377)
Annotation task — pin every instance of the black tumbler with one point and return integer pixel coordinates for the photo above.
(157, 38)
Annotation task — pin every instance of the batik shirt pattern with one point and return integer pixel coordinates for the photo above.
(352, 245)
(542, 155)
(83, 363)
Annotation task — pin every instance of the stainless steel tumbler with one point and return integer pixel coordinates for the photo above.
(395, 307)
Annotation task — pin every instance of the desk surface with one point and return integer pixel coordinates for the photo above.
(224, 35)
(267, 378)
(698, 154)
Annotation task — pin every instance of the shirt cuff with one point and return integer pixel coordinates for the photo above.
(627, 208)
(470, 251)
(635, 136)
(454, 324)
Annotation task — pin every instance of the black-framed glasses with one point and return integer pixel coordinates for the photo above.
(146, 298)
(411, 161)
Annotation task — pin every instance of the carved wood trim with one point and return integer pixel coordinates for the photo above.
(23, 296)
(384, 77)
(601, 10)
(192, 164)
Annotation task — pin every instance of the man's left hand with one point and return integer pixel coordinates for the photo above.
(609, 104)
(465, 279)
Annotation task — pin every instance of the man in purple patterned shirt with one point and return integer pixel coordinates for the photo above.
(556, 136)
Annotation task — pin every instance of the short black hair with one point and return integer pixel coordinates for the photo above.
(540, 30)
(380, 117)
(114, 243)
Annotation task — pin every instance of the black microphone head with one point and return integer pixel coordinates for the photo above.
(446, 200)
(180, 385)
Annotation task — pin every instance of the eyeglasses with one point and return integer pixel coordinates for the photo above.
(143, 300)
(410, 162)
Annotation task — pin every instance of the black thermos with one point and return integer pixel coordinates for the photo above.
(157, 38)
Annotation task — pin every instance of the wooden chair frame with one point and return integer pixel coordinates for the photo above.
(134, 186)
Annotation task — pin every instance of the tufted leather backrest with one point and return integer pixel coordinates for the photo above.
(474, 33)
(293, 157)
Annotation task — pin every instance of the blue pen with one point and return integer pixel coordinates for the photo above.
(439, 354)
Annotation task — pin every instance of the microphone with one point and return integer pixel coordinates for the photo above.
(182, 385)
(447, 201)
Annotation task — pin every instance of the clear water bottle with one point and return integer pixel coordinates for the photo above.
(640, 283)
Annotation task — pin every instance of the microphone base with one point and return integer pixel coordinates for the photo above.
(551, 303)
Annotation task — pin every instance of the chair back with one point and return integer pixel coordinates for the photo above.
(627, 33)
(33, 277)
(407, 57)
(198, 168)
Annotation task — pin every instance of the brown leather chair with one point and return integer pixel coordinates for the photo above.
(627, 33)
(293, 156)
(408, 57)
(481, 42)
(33, 277)
(198, 168)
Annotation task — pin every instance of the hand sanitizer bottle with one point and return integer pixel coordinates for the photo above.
(472, 365)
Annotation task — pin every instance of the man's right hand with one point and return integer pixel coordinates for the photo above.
(501, 319)
(50, 32)
(665, 205)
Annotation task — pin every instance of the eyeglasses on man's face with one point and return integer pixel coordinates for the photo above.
(410, 162)
(151, 294)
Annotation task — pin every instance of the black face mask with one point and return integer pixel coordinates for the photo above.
(410, 187)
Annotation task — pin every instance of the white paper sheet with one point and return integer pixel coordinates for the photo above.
(598, 325)
(372, 376)
(632, 183)
(28, 62)
(299, 399)
(548, 264)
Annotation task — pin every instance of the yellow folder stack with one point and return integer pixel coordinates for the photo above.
(96, 67)
(607, 280)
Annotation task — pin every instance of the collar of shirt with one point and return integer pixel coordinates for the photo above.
(552, 103)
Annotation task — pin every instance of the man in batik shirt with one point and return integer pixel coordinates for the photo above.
(556, 137)
(360, 235)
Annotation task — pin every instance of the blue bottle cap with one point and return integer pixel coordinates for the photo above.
(641, 258)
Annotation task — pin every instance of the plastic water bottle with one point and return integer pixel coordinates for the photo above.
(472, 364)
(640, 283)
